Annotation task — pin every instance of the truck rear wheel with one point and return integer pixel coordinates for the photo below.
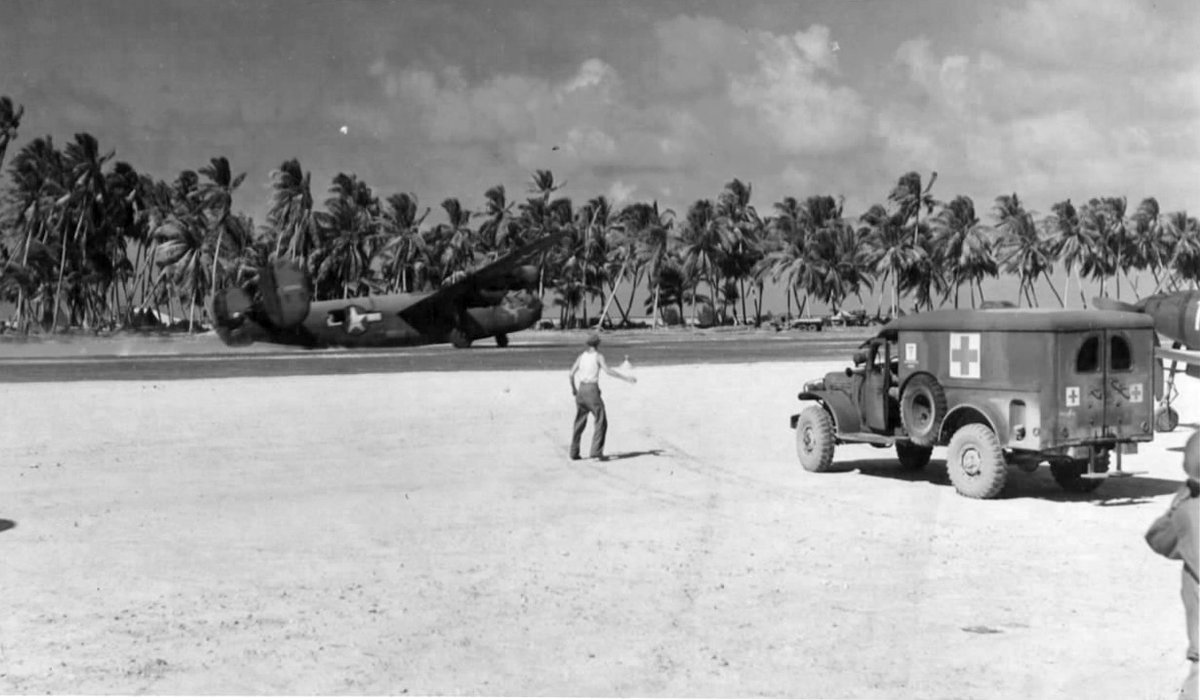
(912, 456)
(1069, 474)
(922, 409)
(975, 462)
(814, 439)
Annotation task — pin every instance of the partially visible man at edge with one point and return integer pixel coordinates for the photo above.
(587, 396)
(1174, 535)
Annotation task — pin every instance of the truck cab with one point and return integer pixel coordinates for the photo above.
(1020, 387)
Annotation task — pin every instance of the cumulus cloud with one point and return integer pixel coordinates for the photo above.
(789, 95)
(1026, 112)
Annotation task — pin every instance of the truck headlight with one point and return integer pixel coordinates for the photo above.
(815, 385)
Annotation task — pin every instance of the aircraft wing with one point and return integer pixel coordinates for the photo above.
(1187, 357)
(502, 273)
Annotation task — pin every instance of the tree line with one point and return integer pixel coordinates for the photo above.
(87, 241)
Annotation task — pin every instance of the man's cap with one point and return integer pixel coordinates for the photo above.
(1191, 456)
(593, 340)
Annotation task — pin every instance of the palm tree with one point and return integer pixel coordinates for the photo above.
(704, 240)
(1073, 244)
(1022, 250)
(10, 121)
(454, 242)
(499, 230)
(39, 178)
(405, 246)
(743, 236)
(1148, 242)
(216, 197)
(651, 232)
(908, 196)
(1104, 221)
(179, 246)
(1184, 259)
(888, 251)
(349, 238)
(962, 246)
(291, 212)
(85, 199)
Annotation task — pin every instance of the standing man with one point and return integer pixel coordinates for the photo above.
(1174, 535)
(587, 396)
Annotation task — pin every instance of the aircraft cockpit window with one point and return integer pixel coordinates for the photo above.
(1088, 359)
(1119, 356)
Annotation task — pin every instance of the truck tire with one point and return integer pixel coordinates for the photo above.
(912, 456)
(922, 409)
(459, 339)
(1069, 474)
(976, 462)
(1166, 419)
(814, 439)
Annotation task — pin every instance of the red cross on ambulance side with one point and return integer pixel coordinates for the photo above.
(965, 355)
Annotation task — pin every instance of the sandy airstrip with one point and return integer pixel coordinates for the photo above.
(425, 534)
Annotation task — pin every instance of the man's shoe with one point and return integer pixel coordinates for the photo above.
(574, 457)
(599, 458)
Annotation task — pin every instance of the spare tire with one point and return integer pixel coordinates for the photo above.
(922, 409)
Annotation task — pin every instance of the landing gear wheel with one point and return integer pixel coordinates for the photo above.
(976, 462)
(913, 457)
(502, 341)
(1069, 474)
(814, 439)
(922, 409)
(1166, 419)
(459, 339)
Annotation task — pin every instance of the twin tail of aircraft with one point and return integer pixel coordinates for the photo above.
(491, 302)
(1177, 319)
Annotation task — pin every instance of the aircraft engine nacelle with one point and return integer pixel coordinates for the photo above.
(527, 276)
(229, 309)
(286, 293)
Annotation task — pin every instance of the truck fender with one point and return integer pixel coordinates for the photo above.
(845, 415)
(967, 413)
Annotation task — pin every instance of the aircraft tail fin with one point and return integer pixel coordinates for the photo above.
(286, 293)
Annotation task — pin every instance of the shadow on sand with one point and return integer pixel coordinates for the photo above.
(630, 455)
(1040, 484)
(6, 524)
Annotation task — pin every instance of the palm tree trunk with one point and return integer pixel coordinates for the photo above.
(62, 266)
(1050, 282)
(654, 317)
(216, 256)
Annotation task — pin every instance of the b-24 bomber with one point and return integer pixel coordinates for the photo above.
(997, 387)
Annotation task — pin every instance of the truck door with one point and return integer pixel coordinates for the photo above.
(877, 380)
(1130, 382)
(1083, 398)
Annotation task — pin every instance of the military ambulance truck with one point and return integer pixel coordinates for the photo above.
(1020, 387)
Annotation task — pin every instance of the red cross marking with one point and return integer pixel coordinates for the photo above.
(964, 355)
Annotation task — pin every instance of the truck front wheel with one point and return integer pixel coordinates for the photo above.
(912, 456)
(922, 409)
(975, 462)
(814, 439)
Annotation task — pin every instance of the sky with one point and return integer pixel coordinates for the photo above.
(664, 100)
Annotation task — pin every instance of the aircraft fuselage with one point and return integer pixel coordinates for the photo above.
(1176, 316)
(376, 321)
